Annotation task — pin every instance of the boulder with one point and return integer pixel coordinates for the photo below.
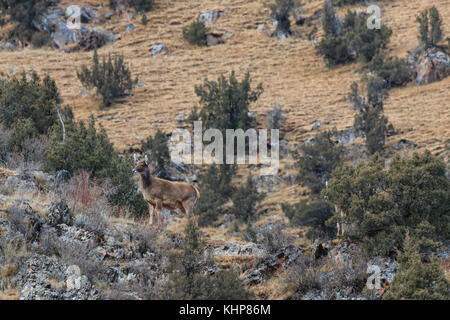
(92, 39)
(157, 48)
(213, 39)
(210, 17)
(432, 65)
(86, 13)
(49, 278)
(64, 36)
(24, 220)
(59, 213)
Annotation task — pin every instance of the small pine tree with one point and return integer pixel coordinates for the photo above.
(111, 78)
(188, 282)
(395, 71)
(144, 20)
(415, 279)
(142, 5)
(22, 130)
(86, 148)
(245, 199)
(435, 26)
(216, 190)
(280, 11)
(314, 214)
(370, 119)
(430, 27)
(159, 153)
(28, 107)
(225, 102)
(195, 33)
(317, 161)
(330, 21)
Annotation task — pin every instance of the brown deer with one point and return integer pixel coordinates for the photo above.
(160, 193)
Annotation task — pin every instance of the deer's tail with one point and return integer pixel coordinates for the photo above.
(197, 191)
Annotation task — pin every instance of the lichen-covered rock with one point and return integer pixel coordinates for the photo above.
(49, 278)
(59, 213)
(432, 65)
(210, 17)
(157, 48)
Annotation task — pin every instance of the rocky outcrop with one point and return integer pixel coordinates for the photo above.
(157, 48)
(210, 17)
(431, 65)
(278, 261)
(49, 278)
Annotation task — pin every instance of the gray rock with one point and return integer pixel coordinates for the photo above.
(10, 46)
(213, 39)
(38, 274)
(63, 35)
(210, 17)
(317, 125)
(12, 182)
(157, 48)
(59, 213)
(404, 144)
(346, 136)
(130, 27)
(432, 65)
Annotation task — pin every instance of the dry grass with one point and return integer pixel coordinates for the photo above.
(289, 70)
(11, 294)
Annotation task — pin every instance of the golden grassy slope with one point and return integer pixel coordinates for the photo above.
(289, 70)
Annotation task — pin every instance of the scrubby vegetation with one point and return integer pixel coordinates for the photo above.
(317, 160)
(158, 152)
(225, 102)
(416, 279)
(315, 214)
(280, 11)
(370, 119)
(216, 190)
(245, 200)
(350, 38)
(68, 197)
(138, 5)
(24, 13)
(187, 280)
(111, 78)
(395, 71)
(85, 148)
(195, 33)
(383, 203)
(430, 27)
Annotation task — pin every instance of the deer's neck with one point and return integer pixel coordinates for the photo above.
(146, 179)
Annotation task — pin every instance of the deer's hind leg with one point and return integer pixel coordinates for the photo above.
(188, 206)
(159, 213)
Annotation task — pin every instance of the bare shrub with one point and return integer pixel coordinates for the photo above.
(10, 255)
(302, 276)
(88, 201)
(275, 237)
(75, 253)
(31, 155)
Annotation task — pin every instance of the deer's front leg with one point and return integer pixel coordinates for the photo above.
(151, 213)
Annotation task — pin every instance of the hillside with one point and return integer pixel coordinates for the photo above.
(289, 70)
(292, 74)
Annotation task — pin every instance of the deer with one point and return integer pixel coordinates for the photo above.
(161, 193)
